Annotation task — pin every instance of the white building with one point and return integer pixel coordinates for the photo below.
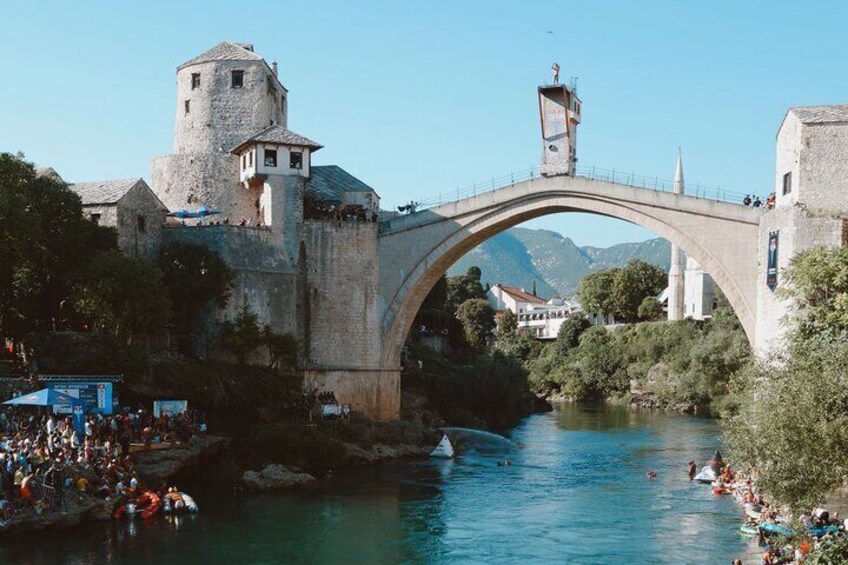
(540, 318)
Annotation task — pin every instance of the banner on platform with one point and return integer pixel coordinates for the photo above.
(169, 407)
(771, 270)
(98, 398)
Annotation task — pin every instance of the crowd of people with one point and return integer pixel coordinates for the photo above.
(770, 525)
(45, 463)
(754, 201)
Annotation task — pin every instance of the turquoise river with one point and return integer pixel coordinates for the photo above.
(576, 493)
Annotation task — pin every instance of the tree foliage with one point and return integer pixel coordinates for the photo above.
(123, 296)
(791, 426)
(478, 321)
(464, 287)
(241, 335)
(44, 241)
(195, 277)
(508, 325)
(650, 310)
(621, 291)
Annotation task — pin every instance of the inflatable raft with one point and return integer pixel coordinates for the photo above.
(147, 504)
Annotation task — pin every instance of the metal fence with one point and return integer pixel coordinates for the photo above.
(655, 183)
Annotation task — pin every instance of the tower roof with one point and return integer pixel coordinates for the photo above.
(278, 134)
(821, 114)
(225, 51)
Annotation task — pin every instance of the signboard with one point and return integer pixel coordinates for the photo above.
(79, 420)
(771, 269)
(169, 407)
(97, 397)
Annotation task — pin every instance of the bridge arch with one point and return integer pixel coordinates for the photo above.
(416, 250)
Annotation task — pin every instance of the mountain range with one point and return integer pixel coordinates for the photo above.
(520, 256)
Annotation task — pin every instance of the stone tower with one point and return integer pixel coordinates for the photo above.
(676, 270)
(224, 96)
(559, 112)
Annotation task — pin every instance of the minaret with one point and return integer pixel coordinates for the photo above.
(675, 272)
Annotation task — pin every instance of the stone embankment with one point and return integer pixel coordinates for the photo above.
(159, 465)
(78, 509)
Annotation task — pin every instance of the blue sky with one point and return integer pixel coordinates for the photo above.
(422, 99)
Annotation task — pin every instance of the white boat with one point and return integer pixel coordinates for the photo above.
(444, 450)
(707, 475)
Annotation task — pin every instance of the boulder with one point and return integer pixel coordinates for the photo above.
(274, 477)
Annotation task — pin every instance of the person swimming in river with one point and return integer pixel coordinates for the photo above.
(692, 469)
(651, 475)
(504, 463)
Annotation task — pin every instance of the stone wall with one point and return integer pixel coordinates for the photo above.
(374, 393)
(264, 278)
(132, 240)
(342, 294)
(798, 230)
(190, 180)
(220, 117)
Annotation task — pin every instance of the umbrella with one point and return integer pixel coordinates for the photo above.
(45, 397)
(201, 212)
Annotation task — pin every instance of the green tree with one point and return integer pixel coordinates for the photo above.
(464, 287)
(817, 280)
(195, 277)
(650, 309)
(478, 321)
(632, 284)
(123, 296)
(594, 291)
(620, 291)
(508, 325)
(282, 348)
(241, 335)
(44, 241)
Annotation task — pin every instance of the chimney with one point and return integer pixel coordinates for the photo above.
(274, 68)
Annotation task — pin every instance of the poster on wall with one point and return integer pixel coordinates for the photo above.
(169, 407)
(771, 269)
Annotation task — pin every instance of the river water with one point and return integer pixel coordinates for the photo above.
(575, 493)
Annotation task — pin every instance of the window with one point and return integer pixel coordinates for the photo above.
(250, 158)
(270, 157)
(243, 162)
(142, 224)
(187, 106)
(95, 218)
(195, 80)
(295, 160)
(237, 80)
(787, 183)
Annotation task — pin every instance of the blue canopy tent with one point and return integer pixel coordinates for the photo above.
(45, 397)
(201, 212)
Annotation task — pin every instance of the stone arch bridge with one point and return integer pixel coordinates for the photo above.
(416, 249)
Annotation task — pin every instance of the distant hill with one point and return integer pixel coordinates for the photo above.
(519, 256)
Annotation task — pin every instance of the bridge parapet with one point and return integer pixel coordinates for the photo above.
(613, 176)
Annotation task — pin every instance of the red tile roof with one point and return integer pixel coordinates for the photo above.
(519, 294)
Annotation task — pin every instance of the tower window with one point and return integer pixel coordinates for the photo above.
(142, 224)
(195, 80)
(237, 79)
(95, 219)
(187, 106)
(243, 162)
(250, 159)
(295, 160)
(270, 157)
(787, 183)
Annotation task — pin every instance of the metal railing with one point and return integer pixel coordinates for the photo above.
(655, 183)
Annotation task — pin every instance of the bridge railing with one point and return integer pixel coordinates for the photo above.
(655, 183)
